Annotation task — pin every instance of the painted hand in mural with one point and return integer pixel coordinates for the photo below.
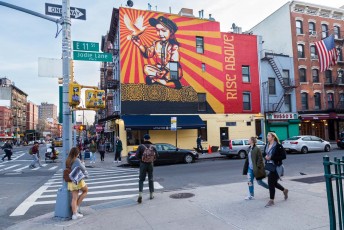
(137, 28)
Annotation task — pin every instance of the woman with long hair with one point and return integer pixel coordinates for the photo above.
(274, 153)
(72, 162)
(254, 167)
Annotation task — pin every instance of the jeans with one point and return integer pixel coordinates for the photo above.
(273, 184)
(250, 178)
(35, 160)
(92, 157)
(144, 169)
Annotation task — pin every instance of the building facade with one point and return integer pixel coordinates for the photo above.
(5, 121)
(178, 77)
(47, 111)
(31, 121)
(292, 30)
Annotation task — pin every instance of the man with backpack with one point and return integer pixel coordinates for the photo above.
(147, 154)
(8, 150)
(34, 152)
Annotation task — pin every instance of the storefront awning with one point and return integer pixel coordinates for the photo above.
(161, 122)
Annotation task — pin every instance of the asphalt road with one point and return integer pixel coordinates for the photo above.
(17, 187)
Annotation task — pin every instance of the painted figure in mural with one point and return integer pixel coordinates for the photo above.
(167, 70)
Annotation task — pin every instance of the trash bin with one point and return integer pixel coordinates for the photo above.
(214, 148)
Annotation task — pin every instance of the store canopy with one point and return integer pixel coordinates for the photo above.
(161, 122)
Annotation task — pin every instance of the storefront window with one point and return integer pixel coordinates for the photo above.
(135, 137)
(203, 132)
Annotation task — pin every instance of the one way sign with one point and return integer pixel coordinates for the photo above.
(56, 10)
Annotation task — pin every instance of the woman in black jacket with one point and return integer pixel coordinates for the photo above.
(274, 153)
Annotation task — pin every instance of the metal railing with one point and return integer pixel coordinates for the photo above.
(336, 203)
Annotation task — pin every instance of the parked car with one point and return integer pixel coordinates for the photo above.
(305, 144)
(167, 154)
(237, 147)
(58, 142)
(340, 143)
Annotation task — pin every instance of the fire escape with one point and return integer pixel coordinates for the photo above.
(287, 86)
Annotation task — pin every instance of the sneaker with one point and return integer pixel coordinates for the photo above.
(269, 204)
(119, 161)
(285, 192)
(249, 197)
(139, 199)
(79, 215)
(74, 217)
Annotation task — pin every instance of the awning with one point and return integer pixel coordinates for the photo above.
(161, 122)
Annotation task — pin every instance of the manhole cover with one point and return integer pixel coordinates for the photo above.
(181, 195)
(311, 180)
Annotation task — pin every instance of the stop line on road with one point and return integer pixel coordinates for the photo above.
(103, 185)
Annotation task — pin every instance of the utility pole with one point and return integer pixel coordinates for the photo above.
(62, 207)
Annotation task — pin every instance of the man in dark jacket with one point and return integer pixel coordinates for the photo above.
(8, 150)
(145, 168)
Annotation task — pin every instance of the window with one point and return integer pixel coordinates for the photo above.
(231, 123)
(315, 75)
(302, 75)
(300, 51)
(245, 73)
(314, 54)
(272, 86)
(200, 45)
(203, 67)
(203, 132)
(336, 32)
(246, 101)
(248, 123)
(134, 137)
(328, 77)
(174, 70)
(311, 28)
(340, 54)
(324, 30)
(340, 77)
(317, 101)
(286, 78)
(330, 101)
(299, 29)
(341, 100)
(202, 102)
(287, 103)
(304, 101)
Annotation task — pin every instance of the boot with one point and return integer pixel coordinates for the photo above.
(151, 196)
(270, 203)
(285, 192)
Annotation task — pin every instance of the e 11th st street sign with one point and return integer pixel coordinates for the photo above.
(56, 10)
(86, 46)
(92, 56)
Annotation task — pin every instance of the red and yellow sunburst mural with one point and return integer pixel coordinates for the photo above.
(172, 57)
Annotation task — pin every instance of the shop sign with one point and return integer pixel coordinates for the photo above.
(281, 116)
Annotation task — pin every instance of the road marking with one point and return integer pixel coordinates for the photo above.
(20, 169)
(13, 166)
(52, 168)
(3, 197)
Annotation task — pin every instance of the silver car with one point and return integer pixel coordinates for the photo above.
(237, 147)
(305, 144)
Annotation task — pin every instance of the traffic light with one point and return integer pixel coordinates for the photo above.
(74, 94)
(95, 99)
(82, 127)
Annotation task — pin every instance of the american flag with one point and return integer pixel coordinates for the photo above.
(327, 52)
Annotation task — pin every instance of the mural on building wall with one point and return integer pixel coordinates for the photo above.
(170, 63)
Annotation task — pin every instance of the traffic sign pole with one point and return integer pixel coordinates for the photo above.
(63, 204)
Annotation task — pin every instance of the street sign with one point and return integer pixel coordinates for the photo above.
(173, 123)
(86, 46)
(56, 10)
(90, 56)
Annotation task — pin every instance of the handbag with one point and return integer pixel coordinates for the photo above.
(270, 167)
(66, 173)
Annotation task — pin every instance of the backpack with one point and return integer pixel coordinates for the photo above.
(149, 154)
(30, 151)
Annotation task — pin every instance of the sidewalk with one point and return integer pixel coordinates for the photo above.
(213, 207)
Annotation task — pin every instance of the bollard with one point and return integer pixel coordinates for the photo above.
(329, 191)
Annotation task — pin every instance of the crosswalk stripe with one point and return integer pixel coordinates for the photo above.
(54, 167)
(97, 182)
(20, 169)
(13, 166)
(99, 178)
(96, 187)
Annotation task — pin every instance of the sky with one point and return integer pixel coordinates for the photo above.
(25, 38)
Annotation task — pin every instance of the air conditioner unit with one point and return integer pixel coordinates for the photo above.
(312, 32)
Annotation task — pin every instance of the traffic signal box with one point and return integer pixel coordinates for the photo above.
(74, 94)
(95, 99)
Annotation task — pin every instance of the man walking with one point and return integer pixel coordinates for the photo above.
(199, 144)
(35, 156)
(119, 149)
(8, 150)
(146, 153)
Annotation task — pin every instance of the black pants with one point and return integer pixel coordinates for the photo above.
(118, 155)
(200, 147)
(273, 184)
(8, 154)
(144, 169)
(102, 153)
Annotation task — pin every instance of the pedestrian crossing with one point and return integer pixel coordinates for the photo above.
(15, 155)
(103, 185)
(23, 166)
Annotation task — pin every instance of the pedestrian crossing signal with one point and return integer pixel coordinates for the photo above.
(95, 99)
(74, 94)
